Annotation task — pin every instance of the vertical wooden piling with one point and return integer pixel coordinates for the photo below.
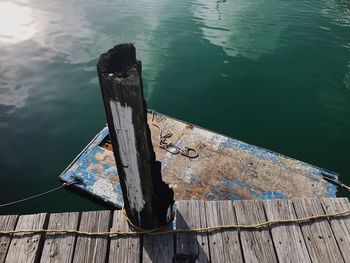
(147, 199)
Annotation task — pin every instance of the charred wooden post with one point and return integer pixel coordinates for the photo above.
(148, 200)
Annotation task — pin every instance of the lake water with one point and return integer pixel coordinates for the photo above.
(272, 73)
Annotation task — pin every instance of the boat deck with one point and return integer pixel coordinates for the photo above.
(225, 169)
(322, 240)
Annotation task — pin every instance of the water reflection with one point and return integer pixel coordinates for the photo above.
(37, 33)
(16, 23)
(83, 33)
(338, 11)
(241, 28)
(346, 79)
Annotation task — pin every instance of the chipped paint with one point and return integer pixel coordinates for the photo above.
(128, 154)
(225, 169)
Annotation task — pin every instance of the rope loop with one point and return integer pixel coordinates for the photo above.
(189, 152)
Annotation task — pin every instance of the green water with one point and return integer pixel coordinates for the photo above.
(272, 73)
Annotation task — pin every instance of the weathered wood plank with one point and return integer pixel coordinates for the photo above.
(27, 247)
(60, 247)
(148, 200)
(7, 222)
(318, 234)
(191, 246)
(341, 225)
(287, 238)
(123, 248)
(224, 245)
(89, 248)
(256, 243)
(158, 248)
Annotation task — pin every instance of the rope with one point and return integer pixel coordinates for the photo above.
(37, 195)
(152, 231)
(143, 230)
(170, 147)
(191, 153)
(336, 182)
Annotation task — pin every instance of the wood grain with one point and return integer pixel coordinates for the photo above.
(60, 247)
(27, 247)
(158, 248)
(90, 248)
(123, 248)
(191, 247)
(318, 234)
(256, 243)
(147, 199)
(287, 238)
(7, 222)
(224, 245)
(340, 226)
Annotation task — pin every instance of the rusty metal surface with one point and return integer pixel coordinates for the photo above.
(225, 168)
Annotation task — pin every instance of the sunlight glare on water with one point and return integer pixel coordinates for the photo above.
(16, 23)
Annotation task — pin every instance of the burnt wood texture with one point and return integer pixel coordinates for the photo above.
(148, 200)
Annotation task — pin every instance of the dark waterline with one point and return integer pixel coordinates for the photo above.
(272, 73)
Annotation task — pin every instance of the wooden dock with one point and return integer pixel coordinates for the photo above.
(321, 240)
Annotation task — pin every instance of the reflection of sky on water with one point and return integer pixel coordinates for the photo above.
(338, 11)
(76, 33)
(81, 33)
(332, 97)
(16, 23)
(242, 28)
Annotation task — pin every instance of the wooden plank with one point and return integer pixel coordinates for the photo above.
(318, 234)
(191, 247)
(27, 247)
(257, 244)
(224, 245)
(158, 248)
(7, 222)
(287, 238)
(92, 248)
(341, 225)
(60, 247)
(123, 248)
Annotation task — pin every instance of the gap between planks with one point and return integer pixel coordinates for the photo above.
(317, 241)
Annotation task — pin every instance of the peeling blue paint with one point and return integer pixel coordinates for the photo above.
(89, 168)
(227, 184)
(256, 151)
(273, 195)
(232, 196)
(212, 196)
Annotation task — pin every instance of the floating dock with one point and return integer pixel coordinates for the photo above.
(321, 240)
(225, 169)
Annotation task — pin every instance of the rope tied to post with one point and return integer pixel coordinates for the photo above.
(189, 152)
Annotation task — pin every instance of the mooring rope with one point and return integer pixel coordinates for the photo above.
(155, 232)
(189, 152)
(37, 195)
(337, 182)
(158, 231)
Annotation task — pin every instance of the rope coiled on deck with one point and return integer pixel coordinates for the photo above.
(189, 152)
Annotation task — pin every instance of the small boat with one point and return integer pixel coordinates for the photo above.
(225, 168)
